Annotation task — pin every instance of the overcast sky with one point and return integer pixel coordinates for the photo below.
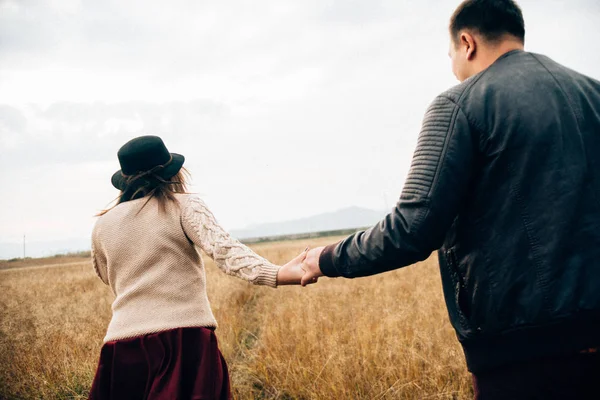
(283, 109)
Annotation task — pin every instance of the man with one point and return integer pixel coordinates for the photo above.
(505, 182)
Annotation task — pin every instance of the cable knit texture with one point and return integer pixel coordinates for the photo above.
(149, 260)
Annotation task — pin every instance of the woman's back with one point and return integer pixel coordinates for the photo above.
(152, 267)
(160, 342)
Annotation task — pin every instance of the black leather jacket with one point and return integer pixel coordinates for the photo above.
(505, 182)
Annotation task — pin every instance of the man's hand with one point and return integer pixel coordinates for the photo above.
(311, 266)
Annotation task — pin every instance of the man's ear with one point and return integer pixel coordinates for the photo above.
(468, 41)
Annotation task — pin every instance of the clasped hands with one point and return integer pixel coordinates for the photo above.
(302, 270)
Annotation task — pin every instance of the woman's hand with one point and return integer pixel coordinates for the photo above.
(292, 272)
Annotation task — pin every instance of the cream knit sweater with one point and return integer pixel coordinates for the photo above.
(148, 259)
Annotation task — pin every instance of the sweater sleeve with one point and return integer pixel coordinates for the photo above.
(98, 259)
(231, 256)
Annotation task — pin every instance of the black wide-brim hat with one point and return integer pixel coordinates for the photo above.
(145, 154)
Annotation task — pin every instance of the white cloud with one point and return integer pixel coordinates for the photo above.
(283, 109)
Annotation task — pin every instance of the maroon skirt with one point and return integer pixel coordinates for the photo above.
(182, 363)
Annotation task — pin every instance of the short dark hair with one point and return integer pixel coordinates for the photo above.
(490, 18)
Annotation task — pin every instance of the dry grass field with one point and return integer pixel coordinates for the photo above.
(382, 337)
(42, 262)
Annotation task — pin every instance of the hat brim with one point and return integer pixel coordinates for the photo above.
(118, 180)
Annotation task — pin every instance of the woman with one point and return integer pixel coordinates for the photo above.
(160, 342)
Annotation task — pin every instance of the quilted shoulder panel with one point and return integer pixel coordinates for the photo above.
(430, 146)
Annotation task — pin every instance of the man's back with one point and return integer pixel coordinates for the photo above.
(524, 249)
(504, 181)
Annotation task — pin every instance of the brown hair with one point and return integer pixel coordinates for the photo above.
(150, 184)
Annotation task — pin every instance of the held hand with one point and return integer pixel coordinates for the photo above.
(311, 266)
(292, 272)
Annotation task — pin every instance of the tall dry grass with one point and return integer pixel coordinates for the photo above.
(382, 337)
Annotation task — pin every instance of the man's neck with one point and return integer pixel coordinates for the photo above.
(493, 53)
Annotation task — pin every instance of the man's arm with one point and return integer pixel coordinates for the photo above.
(432, 195)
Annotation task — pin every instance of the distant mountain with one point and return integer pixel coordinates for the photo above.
(347, 218)
(43, 249)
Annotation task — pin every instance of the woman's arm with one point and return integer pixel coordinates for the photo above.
(231, 256)
(98, 259)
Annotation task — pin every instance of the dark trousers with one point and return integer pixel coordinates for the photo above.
(569, 377)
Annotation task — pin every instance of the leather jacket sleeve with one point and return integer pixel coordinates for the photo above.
(431, 197)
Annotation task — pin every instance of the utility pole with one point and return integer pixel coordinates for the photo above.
(23, 246)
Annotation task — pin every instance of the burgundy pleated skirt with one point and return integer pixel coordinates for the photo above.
(182, 363)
